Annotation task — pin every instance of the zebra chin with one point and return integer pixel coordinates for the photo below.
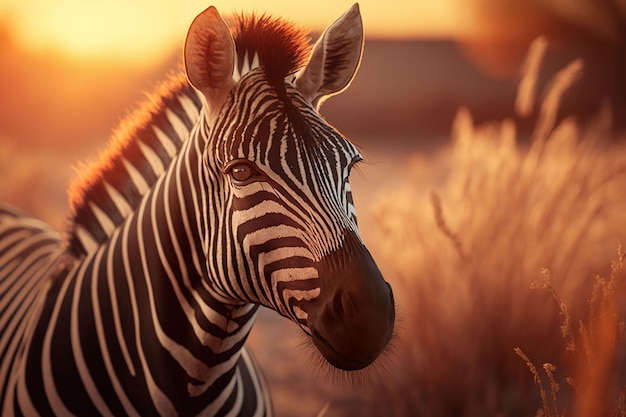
(352, 320)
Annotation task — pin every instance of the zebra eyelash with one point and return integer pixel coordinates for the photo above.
(357, 160)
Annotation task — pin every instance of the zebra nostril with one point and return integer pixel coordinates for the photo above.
(337, 304)
(342, 305)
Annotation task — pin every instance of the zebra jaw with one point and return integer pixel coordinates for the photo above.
(352, 320)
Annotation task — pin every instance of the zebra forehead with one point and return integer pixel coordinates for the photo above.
(275, 130)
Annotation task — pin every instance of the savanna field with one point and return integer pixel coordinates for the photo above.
(505, 246)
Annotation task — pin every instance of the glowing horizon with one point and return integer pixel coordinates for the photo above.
(144, 32)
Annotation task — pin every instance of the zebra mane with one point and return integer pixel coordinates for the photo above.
(159, 127)
(280, 47)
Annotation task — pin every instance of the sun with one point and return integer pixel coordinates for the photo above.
(136, 33)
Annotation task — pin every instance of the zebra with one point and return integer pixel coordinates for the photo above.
(227, 193)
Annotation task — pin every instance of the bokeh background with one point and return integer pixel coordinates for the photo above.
(467, 199)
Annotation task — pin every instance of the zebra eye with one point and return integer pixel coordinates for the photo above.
(241, 172)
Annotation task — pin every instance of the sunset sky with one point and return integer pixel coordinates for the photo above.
(143, 31)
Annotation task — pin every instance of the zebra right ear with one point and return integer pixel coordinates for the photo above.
(335, 59)
(210, 57)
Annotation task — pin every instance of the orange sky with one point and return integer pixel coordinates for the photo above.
(144, 31)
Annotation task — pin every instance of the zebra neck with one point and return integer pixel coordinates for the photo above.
(146, 290)
(139, 300)
(140, 153)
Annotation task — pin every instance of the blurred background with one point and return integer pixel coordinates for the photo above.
(71, 70)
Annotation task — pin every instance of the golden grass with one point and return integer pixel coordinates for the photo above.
(593, 349)
(463, 263)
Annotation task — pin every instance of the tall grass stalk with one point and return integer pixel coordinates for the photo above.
(525, 101)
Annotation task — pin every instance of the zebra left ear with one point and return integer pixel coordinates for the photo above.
(210, 57)
(335, 59)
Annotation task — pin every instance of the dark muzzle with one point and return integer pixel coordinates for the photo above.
(352, 320)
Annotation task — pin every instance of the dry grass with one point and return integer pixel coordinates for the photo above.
(463, 263)
(593, 348)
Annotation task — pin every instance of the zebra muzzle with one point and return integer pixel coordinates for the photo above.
(352, 320)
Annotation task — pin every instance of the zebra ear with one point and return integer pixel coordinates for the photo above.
(335, 59)
(210, 56)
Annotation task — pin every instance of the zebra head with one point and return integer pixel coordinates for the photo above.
(280, 225)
